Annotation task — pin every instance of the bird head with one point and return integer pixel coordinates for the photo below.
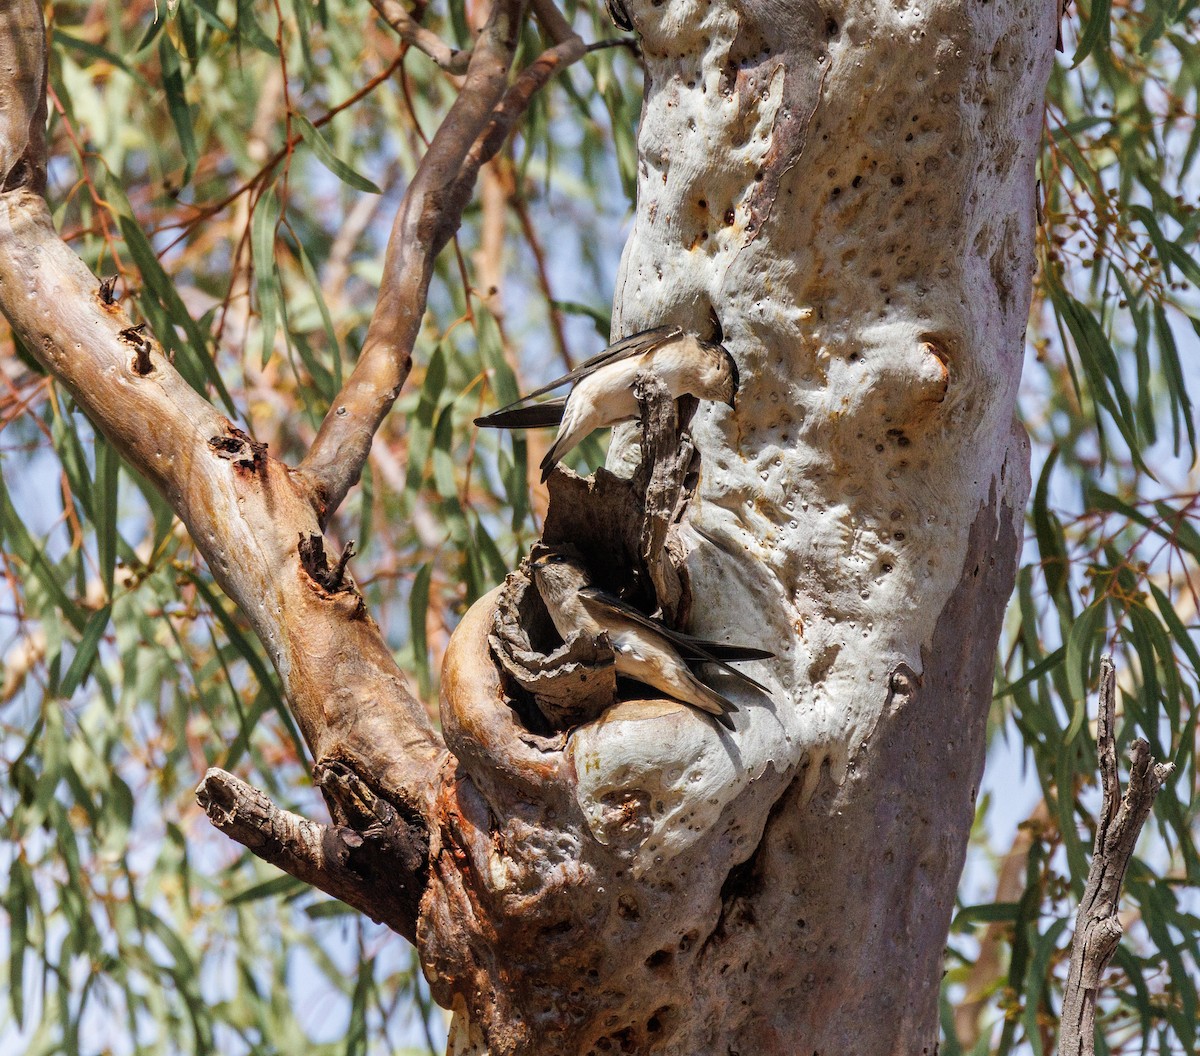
(556, 569)
(722, 377)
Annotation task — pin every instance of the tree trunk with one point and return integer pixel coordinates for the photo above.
(850, 188)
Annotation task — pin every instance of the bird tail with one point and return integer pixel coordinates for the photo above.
(562, 444)
(534, 416)
(709, 700)
(698, 661)
(690, 645)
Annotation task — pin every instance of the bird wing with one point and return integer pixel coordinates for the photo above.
(688, 646)
(535, 416)
(633, 345)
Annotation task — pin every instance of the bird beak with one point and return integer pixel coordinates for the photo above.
(732, 401)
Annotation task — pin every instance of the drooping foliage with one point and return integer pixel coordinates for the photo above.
(236, 164)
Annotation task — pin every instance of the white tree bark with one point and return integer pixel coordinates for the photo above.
(851, 187)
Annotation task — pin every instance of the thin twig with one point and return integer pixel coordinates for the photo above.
(452, 60)
(1097, 926)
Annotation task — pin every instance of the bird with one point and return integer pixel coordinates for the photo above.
(646, 649)
(602, 388)
(619, 14)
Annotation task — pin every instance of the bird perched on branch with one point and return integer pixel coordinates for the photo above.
(646, 649)
(602, 393)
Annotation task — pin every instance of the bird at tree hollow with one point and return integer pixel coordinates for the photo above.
(646, 649)
(602, 388)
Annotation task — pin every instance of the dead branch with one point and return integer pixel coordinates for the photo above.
(1097, 926)
(375, 864)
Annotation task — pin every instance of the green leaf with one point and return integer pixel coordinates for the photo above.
(16, 904)
(194, 351)
(106, 493)
(1095, 30)
(85, 654)
(324, 152)
(418, 609)
(985, 913)
(181, 116)
(285, 885)
(1083, 645)
(266, 277)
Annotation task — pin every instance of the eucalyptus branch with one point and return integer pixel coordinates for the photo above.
(241, 507)
(452, 60)
(475, 129)
(377, 868)
(1097, 926)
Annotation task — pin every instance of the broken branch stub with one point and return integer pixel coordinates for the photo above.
(1097, 924)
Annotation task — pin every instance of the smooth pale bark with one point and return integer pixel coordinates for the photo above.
(851, 187)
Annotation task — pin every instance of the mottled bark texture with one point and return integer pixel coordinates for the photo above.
(849, 186)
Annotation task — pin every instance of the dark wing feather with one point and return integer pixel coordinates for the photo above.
(633, 345)
(723, 650)
(535, 416)
(691, 648)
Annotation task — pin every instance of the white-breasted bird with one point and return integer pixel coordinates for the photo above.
(602, 392)
(646, 649)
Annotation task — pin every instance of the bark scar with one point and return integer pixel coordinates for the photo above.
(239, 448)
(133, 336)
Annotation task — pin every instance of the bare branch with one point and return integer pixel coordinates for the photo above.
(1097, 926)
(242, 508)
(452, 60)
(378, 869)
(475, 129)
(428, 216)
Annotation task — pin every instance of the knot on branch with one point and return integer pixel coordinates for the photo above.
(316, 564)
(133, 336)
(240, 448)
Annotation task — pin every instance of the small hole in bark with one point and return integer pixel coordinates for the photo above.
(658, 958)
(703, 203)
(831, 27)
(856, 182)
(899, 536)
(835, 192)
(897, 180)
